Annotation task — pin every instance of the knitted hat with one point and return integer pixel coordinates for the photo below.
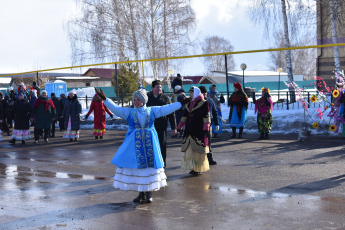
(178, 87)
(43, 91)
(203, 89)
(238, 86)
(156, 82)
(141, 94)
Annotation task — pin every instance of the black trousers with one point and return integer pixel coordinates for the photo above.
(62, 124)
(53, 127)
(4, 125)
(38, 132)
(162, 137)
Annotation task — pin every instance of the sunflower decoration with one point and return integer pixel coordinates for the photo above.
(315, 125)
(336, 93)
(326, 107)
(332, 128)
(313, 99)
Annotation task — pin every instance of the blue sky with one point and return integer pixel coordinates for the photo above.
(33, 36)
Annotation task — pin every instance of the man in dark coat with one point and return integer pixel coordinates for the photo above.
(71, 112)
(43, 111)
(4, 124)
(177, 81)
(63, 99)
(214, 118)
(57, 104)
(157, 98)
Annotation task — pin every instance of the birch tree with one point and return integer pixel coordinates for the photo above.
(284, 15)
(132, 29)
(334, 9)
(216, 44)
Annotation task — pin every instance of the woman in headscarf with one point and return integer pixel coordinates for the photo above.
(264, 107)
(139, 161)
(98, 108)
(43, 112)
(196, 118)
(238, 102)
(71, 114)
(21, 109)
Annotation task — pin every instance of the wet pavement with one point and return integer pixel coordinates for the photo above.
(279, 183)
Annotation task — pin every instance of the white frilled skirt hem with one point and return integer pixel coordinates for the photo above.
(142, 180)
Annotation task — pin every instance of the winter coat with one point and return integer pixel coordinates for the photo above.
(196, 118)
(72, 108)
(57, 105)
(21, 110)
(176, 82)
(161, 123)
(213, 111)
(32, 100)
(1, 113)
(43, 112)
(99, 110)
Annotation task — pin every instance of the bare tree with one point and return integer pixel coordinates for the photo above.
(216, 44)
(303, 60)
(284, 15)
(132, 29)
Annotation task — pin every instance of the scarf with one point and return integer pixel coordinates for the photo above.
(262, 106)
(39, 101)
(240, 99)
(195, 100)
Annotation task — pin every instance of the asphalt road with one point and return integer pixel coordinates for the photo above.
(279, 183)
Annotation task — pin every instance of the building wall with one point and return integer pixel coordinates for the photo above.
(325, 56)
(82, 83)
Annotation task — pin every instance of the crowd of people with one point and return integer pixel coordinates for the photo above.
(141, 159)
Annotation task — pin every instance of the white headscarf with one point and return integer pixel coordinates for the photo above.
(197, 92)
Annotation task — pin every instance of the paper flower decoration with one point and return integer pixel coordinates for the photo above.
(332, 128)
(315, 125)
(313, 99)
(336, 93)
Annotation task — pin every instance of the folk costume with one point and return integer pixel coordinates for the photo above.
(341, 113)
(196, 118)
(139, 161)
(238, 102)
(71, 113)
(337, 104)
(264, 107)
(98, 108)
(213, 95)
(43, 112)
(21, 109)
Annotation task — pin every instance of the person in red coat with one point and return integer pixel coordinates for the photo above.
(99, 110)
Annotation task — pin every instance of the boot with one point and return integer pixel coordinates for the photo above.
(210, 159)
(75, 139)
(215, 135)
(70, 139)
(96, 137)
(36, 142)
(261, 136)
(101, 137)
(23, 142)
(46, 140)
(139, 198)
(233, 132)
(148, 197)
(266, 136)
(13, 141)
(240, 133)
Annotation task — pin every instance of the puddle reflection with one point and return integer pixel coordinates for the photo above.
(21, 173)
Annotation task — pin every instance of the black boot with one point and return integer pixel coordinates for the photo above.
(266, 136)
(240, 133)
(96, 137)
(233, 132)
(101, 137)
(210, 159)
(148, 197)
(139, 198)
(261, 136)
(13, 141)
(23, 142)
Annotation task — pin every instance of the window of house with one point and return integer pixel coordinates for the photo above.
(88, 84)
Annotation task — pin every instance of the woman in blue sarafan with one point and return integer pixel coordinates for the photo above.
(139, 162)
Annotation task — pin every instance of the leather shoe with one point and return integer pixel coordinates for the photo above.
(149, 197)
(139, 198)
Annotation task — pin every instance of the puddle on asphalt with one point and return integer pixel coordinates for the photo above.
(14, 172)
(261, 194)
